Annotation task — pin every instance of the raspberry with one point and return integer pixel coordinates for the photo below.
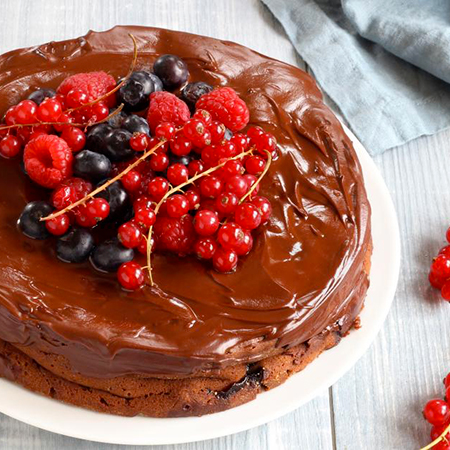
(48, 160)
(94, 84)
(226, 107)
(166, 107)
(70, 191)
(175, 235)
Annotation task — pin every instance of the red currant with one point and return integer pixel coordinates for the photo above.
(59, 225)
(25, 112)
(447, 381)
(195, 167)
(254, 132)
(193, 196)
(206, 222)
(75, 138)
(139, 142)
(437, 412)
(98, 209)
(436, 431)
(142, 202)
(131, 276)
(264, 207)
(163, 146)
(177, 206)
(255, 165)
(10, 116)
(142, 247)
(217, 131)
(225, 260)
(180, 145)
(445, 251)
(205, 247)
(226, 203)
(49, 110)
(83, 218)
(440, 271)
(237, 185)
(445, 291)
(252, 181)
(210, 155)
(158, 188)
(228, 149)
(145, 217)
(193, 129)
(264, 142)
(159, 162)
(230, 235)
(165, 130)
(202, 141)
(241, 141)
(10, 146)
(65, 119)
(99, 111)
(177, 174)
(247, 216)
(204, 116)
(246, 245)
(231, 168)
(132, 180)
(76, 98)
(211, 187)
(130, 235)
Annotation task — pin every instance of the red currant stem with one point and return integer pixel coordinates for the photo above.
(437, 440)
(124, 80)
(176, 189)
(87, 124)
(255, 184)
(105, 185)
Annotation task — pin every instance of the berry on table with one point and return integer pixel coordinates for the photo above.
(225, 260)
(30, 220)
(171, 70)
(445, 291)
(74, 137)
(205, 247)
(48, 160)
(130, 235)
(206, 222)
(59, 225)
(131, 276)
(75, 246)
(10, 146)
(437, 412)
(92, 166)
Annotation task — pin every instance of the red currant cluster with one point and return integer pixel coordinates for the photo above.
(437, 413)
(440, 270)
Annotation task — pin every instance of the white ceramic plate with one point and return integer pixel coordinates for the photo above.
(76, 422)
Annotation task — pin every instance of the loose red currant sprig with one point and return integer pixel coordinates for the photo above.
(439, 275)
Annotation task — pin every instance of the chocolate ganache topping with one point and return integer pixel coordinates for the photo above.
(305, 273)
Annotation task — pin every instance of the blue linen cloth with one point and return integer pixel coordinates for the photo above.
(385, 63)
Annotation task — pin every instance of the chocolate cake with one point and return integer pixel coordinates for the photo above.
(198, 341)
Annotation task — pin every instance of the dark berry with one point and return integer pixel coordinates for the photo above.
(29, 221)
(97, 136)
(171, 70)
(118, 119)
(119, 202)
(136, 124)
(118, 145)
(75, 246)
(110, 255)
(135, 92)
(92, 166)
(131, 276)
(41, 94)
(193, 91)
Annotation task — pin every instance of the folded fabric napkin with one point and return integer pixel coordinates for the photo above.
(385, 63)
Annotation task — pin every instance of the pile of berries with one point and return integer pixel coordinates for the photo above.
(437, 413)
(440, 270)
(195, 194)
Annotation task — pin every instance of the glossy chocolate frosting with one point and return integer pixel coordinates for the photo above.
(305, 273)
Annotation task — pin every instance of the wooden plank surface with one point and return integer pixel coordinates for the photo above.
(377, 404)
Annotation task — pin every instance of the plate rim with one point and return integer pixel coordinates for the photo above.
(192, 429)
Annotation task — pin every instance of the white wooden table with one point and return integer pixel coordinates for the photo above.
(377, 405)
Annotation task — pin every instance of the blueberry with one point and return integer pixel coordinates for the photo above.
(135, 92)
(39, 95)
(172, 71)
(119, 202)
(75, 246)
(110, 255)
(29, 221)
(117, 120)
(118, 145)
(96, 137)
(156, 82)
(136, 124)
(179, 159)
(193, 91)
(92, 166)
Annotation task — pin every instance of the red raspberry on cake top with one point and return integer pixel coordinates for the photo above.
(48, 160)
(94, 84)
(225, 106)
(166, 107)
(175, 235)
